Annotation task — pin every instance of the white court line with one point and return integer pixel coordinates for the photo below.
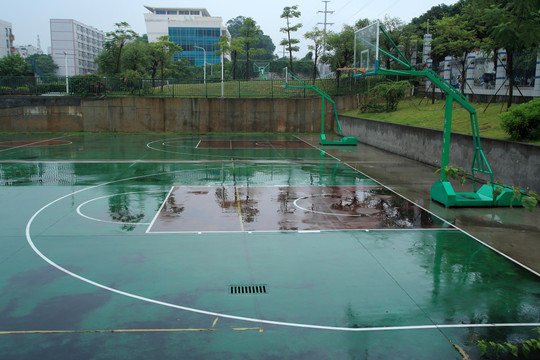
(211, 313)
(183, 149)
(242, 318)
(318, 148)
(159, 211)
(36, 142)
(189, 232)
(110, 221)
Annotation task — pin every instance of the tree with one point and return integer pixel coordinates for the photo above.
(393, 28)
(136, 57)
(317, 36)
(14, 65)
(419, 24)
(237, 49)
(161, 54)
(250, 32)
(454, 36)
(234, 26)
(181, 69)
(513, 26)
(290, 12)
(341, 50)
(106, 60)
(117, 39)
(265, 41)
(233, 47)
(42, 64)
(266, 44)
(362, 23)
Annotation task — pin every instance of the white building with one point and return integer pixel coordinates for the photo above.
(191, 28)
(28, 50)
(6, 38)
(75, 46)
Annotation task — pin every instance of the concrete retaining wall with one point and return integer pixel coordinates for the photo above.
(140, 114)
(512, 163)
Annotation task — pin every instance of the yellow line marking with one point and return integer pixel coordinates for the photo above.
(22, 332)
(100, 331)
(249, 328)
(239, 209)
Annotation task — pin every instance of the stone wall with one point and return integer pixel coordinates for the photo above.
(141, 114)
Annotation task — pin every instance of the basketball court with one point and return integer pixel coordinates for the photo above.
(244, 246)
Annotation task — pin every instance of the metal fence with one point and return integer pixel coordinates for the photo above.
(94, 86)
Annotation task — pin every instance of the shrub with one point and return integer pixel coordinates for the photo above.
(51, 87)
(87, 85)
(386, 96)
(130, 81)
(522, 122)
(500, 350)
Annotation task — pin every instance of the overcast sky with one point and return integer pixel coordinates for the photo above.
(30, 18)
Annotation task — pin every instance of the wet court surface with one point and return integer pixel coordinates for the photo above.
(130, 246)
(288, 208)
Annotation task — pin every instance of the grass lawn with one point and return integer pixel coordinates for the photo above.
(428, 115)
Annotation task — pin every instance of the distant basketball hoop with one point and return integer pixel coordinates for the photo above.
(261, 68)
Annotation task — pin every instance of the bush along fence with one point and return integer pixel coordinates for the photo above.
(96, 86)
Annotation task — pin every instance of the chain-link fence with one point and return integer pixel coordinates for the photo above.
(95, 86)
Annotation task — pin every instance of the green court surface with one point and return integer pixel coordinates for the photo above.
(163, 246)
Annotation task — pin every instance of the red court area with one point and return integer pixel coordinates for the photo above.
(287, 208)
(253, 144)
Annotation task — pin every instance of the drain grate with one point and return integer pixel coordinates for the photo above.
(247, 289)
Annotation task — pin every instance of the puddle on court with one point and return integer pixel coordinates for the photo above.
(288, 208)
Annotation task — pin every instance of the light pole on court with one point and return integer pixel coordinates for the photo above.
(198, 47)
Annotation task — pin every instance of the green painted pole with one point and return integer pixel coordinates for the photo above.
(322, 116)
(446, 135)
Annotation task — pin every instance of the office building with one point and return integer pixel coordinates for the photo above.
(6, 38)
(75, 46)
(191, 28)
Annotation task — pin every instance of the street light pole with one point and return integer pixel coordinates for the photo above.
(67, 79)
(222, 61)
(204, 60)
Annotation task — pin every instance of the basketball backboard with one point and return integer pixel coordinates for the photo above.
(366, 48)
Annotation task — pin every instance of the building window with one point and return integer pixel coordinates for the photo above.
(195, 12)
(172, 12)
(188, 38)
(161, 12)
(183, 12)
